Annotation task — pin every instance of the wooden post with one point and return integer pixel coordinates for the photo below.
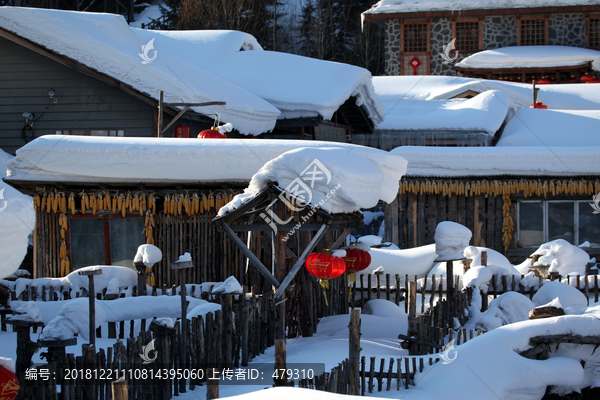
(484, 296)
(412, 311)
(160, 114)
(25, 350)
(227, 310)
(92, 295)
(354, 353)
(182, 266)
(119, 389)
(212, 387)
(140, 267)
(280, 362)
(280, 274)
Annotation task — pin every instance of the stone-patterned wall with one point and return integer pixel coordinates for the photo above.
(392, 47)
(499, 31)
(441, 35)
(567, 30)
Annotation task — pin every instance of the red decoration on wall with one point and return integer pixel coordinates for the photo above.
(415, 63)
(182, 131)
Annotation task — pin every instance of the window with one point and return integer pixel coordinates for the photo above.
(105, 240)
(544, 221)
(467, 35)
(93, 133)
(532, 31)
(593, 32)
(416, 37)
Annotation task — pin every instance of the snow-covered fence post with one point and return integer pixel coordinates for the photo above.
(92, 295)
(412, 314)
(484, 297)
(182, 266)
(140, 267)
(354, 353)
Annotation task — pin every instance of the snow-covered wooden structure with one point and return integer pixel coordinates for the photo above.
(421, 30)
(83, 74)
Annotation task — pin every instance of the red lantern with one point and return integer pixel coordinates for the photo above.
(324, 265)
(539, 104)
(594, 80)
(571, 79)
(211, 133)
(585, 78)
(9, 384)
(356, 259)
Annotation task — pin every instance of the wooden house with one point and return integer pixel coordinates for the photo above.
(97, 200)
(73, 73)
(417, 32)
(513, 199)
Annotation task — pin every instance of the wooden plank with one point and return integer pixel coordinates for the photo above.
(479, 221)
(490, 221)
(402, 221)
(461, 209)
(432, 217)
(421, 221)
(411, 218)
(442, 204)
(498, 246)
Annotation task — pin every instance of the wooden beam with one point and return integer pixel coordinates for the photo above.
(340, 239)
(179, 114)
(253, 259)
(300, 261)
(208, 103)
(267, 228)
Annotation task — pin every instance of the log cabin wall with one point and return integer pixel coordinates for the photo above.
(486, 207)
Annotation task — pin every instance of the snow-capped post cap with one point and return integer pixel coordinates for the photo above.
(148, 254)
(184, 261)
(451, 239)
(230, 286)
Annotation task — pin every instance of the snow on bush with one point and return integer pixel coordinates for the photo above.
(478, 277)
(567, 295)
(561, 256)
(230, 286)
(451, 239)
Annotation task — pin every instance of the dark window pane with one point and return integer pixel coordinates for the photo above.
(561, 221)
(531, 223)
(126, 234)
(87, 242)
(589, 225)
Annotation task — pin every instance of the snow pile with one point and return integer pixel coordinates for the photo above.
(451, 239)
(148, 254)
(568, 296)
(202, 310)
(120, 277)
(428, 161)
(112, 287)
(561, 256)
(27, 312)
(477, 277)
(370, 240)
(483, 113)
(532, 127)
(383, 308)
(230, 286)
(416, 261)
(17, 220)
(507, 308)
(71, 319)
(61, 158)
(408, 6)
(299, 87)
(185, 257)
(165, 321)
(532, 57)
(335, 179)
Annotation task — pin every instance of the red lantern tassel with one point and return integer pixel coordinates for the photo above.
(325, 286)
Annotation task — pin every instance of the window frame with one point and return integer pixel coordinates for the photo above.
(479, 21)
(588, 31)
(545, 18)
(545, 204)
(404, 55)
(106, 231)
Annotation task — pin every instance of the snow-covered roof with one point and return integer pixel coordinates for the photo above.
(532, 57)
(200, 66)
(576, 96)
(409, 6)
(483, 113)
(55, 158)
(298, 86)
(105, 43)
(553, 128)
(454, 162)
